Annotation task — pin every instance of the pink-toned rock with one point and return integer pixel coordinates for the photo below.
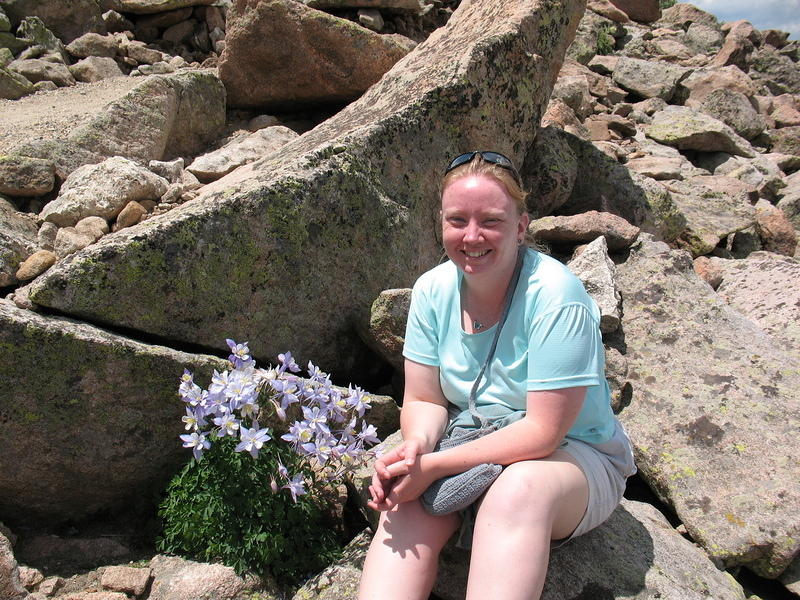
(94, 596)
(36, 264)
(704, 81)
(68, 241)
(30, 577)
(559, 115)
(785, 116)
(598, 130)
(130, 215)
(736, 51)
(283, 54)
(684, 14)
(10, 586)
(97, 227)
(709, 270)
(643, 11)
(51, 585)
(606, 9)
(657, 167)
(776, 231)
(129, 580)
(583, 228)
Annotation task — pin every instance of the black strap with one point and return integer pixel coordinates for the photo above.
(512, 286)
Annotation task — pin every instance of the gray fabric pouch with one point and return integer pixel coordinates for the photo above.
(456, 492)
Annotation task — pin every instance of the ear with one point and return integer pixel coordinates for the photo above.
(522, 226)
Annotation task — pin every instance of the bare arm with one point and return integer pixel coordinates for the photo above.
(550, 414)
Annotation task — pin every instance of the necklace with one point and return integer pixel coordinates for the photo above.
(476, 325)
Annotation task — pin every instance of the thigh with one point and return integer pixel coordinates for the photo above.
(551, 492)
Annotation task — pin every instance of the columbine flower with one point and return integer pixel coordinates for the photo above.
(296, 487)
(321, 449)
(253, 439)
(317, 419)
(358, 400)
(299, 433)
(194, 418)
(240, 354)
(197, 442)
(227, 424)
(368, 434)
(219, 381)
(287, 363)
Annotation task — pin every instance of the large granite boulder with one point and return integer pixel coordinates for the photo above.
(163, 117)
(67, 19)
(90, 419)
(296, 246)
(761, 287)
(146, 7)
(10, 586)
(282, 54)
(644, 11)
(648, 79)
(712, 437)
(17, 240)
(689, 129)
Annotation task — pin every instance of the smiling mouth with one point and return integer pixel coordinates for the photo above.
(476, 254)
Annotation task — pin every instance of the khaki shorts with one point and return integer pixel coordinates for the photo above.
(606, 467)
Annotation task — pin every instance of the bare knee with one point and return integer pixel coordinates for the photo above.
(521, 488)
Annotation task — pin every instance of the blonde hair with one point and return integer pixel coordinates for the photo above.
(479, 166)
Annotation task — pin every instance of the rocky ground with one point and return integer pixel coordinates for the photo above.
(149, 143)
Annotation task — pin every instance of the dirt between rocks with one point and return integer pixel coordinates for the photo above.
(54, 114)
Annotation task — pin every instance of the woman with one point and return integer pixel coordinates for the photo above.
(566, 457)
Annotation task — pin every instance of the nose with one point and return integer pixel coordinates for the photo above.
(472, 232)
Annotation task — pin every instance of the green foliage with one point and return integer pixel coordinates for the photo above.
(662, 4)
(222, 508)
(605, 41)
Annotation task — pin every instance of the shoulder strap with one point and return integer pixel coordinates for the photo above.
(512, 286)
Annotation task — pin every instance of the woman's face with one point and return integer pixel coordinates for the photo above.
(480, 224)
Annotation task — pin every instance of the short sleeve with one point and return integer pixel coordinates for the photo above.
(564, 349)
(422, 339)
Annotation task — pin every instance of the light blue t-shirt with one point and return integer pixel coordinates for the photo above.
(550, 340)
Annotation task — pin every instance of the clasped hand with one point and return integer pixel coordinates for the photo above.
(400, 476)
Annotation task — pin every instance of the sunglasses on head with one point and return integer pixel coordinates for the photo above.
(494, 158)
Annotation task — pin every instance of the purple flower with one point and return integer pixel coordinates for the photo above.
(227, 424)
(368, 434)
(253, 439)
(194, 418)
(240, 354)
(197, 442)
(219, 381)
(299, 433)
(316, 418)
(296, 487)
(287, 363)
(321, 448)
(358, 400)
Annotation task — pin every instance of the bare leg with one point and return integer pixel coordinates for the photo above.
(531, 503)
(403, 558)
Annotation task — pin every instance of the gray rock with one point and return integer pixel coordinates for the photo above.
(95, 68)
(13, 85)
(387, 325)
(5, 24)
(161, 118)
(36, 32)
(688, 129)
(778, 73)
(604, 185)
(281, 54)
(17, 240)
(46, 236)
(5, 57)
(14, 44)
(648, 79)
(178, 579)
(402, 6)
(67, 20)
(785, 140)
(169, 170)
(102, 190)
(596, 270)
(75, 388)
(341, 579)
(710, 216)
(371, 19)
(549, 172)
(139, 52)
(147, 7)
(69, 240)
(22, 176)
(93, 44)
(584, 46)
(657, 167)
(116, 22)
(241, 150)
(180, 32)
(712, 440)
(791, 577)
(37, 69)
(735, 110)
(332, 201)
(164, 19)
(703, 38)
(684, 14)
(760, 288)
(700, 83)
